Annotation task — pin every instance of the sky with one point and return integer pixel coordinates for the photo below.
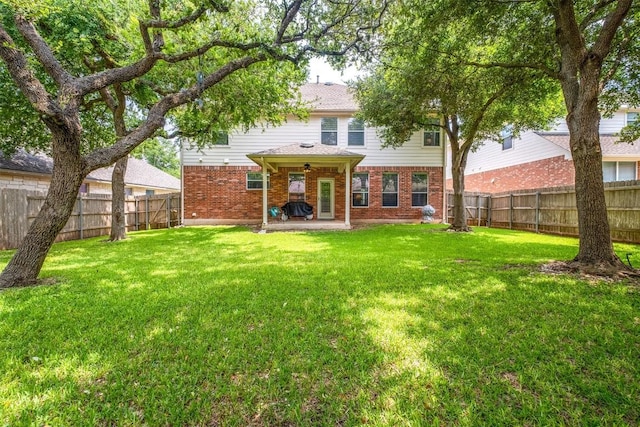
(319, 67)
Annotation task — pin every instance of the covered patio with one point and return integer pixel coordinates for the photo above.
(324, 161)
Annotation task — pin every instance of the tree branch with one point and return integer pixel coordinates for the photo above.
(155, 119)
(42, 51)
(24, 77)
(611, 24)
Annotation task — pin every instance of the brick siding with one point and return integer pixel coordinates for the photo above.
(219, 193)
(552, 172)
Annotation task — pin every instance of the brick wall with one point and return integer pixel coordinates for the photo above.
(219, 193)
(552, 172)
(24, 182)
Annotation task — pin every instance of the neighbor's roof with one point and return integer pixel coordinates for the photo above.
(139, 172)
(328, 97)
(609, 143)
(24, 162)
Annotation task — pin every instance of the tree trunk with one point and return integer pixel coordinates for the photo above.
(458, 165)
(24, 267)
(596, 248)
(118, 226)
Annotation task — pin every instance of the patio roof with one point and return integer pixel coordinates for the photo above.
(296, 155)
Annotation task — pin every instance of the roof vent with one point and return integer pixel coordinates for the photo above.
(306, 144)
(328, 84)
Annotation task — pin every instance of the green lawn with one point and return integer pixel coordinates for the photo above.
(400, 325)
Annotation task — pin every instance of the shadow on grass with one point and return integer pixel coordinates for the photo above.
(383, 326)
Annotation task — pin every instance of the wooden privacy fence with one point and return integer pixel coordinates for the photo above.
(553, 210)
(91, 214)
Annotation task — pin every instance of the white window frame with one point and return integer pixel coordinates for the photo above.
(304, 193)
(328, 131)
(629, 113)
(355, 132)
(426, 192)
(258, 174)
(363, 194)
(617, 165)
(396, 192)
(434, 133)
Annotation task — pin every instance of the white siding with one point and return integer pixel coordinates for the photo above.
(608, 125)
(294, 131)
(528, 148)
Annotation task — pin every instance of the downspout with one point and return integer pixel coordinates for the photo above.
(444, 178)
(265, 200)
(347, 196)
(181, 188)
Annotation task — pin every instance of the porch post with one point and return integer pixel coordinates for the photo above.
(347, 195)
(265, 201)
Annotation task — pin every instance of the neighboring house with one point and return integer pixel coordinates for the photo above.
(540, 159)
(33, 172)
(332, 162)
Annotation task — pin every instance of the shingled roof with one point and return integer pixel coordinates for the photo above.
(139, 172)
(328, 97)
(609, 144)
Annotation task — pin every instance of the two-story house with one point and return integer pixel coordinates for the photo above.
(541, 159)
(332, 162)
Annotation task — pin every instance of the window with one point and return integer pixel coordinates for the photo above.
(356, 132)
(432, 134)
(390, 189)
(84, 188)
(296, 187)
(507, 138)
(254, 181)
(419, 186)
(360, 190)
(618, 171)
(222, 139)
(632, 117)
(329, 131)
(128, 191)
(149, 192)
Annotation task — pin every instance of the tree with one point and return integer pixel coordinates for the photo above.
(591, 49)
(417, 83)
(228, 40)
(161, 153)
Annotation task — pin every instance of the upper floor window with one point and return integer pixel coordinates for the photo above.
(432, 134)
(360, 189)
(632, 117)
(618, 171)
(254, 181)
(356, 132)
(390, 189)
(84, 188)
(150, 192)
(507, 138)
(329, 131)
(222, 139)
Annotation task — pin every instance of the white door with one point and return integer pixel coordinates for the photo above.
(326, 198)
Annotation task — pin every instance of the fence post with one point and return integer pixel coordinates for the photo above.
(168, 211)
(478, 211)
(489, 205)
(511, 211)
(146, 213)
(135, 217)
(537, 212)
(80, 225)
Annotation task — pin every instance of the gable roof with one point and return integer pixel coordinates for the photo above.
(139, 172)
(609, 144)
(328, 97)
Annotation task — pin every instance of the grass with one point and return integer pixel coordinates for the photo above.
(389, 326)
